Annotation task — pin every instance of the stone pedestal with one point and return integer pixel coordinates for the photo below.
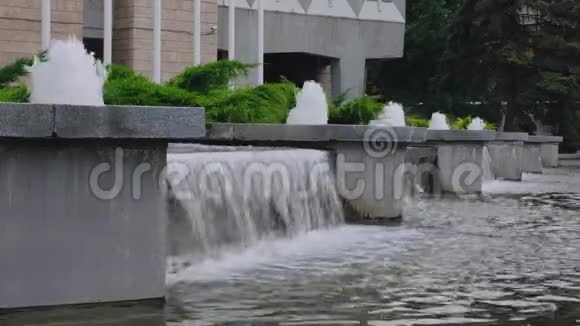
(83, 212)
(507, 155)
(463, 161)
(549, 153)
(374, 185)
(541, 151)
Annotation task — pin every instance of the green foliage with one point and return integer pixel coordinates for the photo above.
(463, 123)
(417, 122)
(115, 72)
(210, 77)
(14, 94)
(359, 111)
(138, 90)
(11, 73)
(269, 103)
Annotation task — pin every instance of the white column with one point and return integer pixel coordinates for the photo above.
(260, 69)
(232, 32)
(157, 41)
(108, 33)
(196, 32)
(45, 24)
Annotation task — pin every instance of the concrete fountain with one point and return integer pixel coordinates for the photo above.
(83, 212)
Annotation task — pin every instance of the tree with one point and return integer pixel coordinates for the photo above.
(489, 59)
(407, 80)
(557, 58)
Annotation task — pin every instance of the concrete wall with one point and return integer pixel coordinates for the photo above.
(62, 244)
(20, 25)
(350, 40)
(133, 35)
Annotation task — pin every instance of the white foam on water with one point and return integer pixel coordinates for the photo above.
(311, 106)
(439, 122)
(69, 76)
(392, 115)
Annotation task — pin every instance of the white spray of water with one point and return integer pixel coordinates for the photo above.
(311, 106)
(392, 115)
(476, 124)
(438, 122)
(232, 200)
(69, 76)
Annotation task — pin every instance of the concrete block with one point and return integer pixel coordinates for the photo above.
(461, 135)
(462, 167)
(533, 157)
(373, 186)
(507, 159)
(71, 235)
(26, 120)
(127, 122)
(549, 154)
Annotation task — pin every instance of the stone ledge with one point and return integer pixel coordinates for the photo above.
(312, 133)
(512, 136)
(545, 139)
(461, 135)
(26, 120)
(129, 122)
(108, 122)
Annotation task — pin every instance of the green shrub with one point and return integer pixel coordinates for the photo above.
(14, 94)
(269, 103)
(115, 72)
(210, 77)
(359, 111)
(138, 90)
(9, 74)
(417, 122)
(463, 123)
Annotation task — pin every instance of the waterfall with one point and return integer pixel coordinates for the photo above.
(230, 199)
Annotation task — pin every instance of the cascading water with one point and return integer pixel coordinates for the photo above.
(231, 200)
(476, 124)
(392, 115)
(311, 106)
(69, 76)
(438, 122)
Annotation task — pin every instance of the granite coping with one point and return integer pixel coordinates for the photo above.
(108, 122)
(512, 136)
(569, 156)
(461, 135)
(312, 133)
(545, 139)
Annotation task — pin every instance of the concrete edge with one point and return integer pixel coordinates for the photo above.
(312, 133)
(461, 135)
(545, 139)
(21, 120)
(108, 122)
(512, 136)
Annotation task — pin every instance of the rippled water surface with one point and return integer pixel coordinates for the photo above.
(510, 257)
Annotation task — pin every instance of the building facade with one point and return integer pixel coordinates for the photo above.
(330, 41)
